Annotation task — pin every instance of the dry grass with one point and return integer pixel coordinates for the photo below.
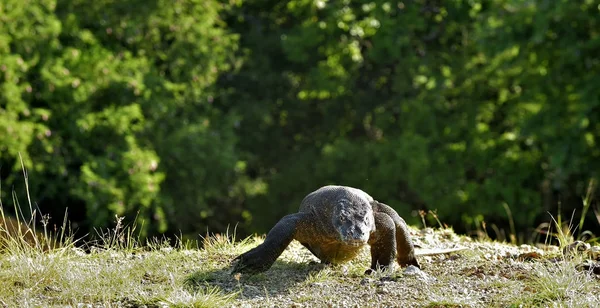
(488, 274)
(49, 269)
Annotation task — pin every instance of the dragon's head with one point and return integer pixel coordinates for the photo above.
(353, 222)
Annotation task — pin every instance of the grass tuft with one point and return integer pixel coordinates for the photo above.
(180, 297)
(560, 284)
(121, 237)
(21, 235)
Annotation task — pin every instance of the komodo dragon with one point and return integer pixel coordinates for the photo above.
(334, 223)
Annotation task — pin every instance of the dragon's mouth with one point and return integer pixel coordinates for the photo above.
(341, 241)
(353, 242)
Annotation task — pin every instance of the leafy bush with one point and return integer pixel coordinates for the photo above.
(201, 114)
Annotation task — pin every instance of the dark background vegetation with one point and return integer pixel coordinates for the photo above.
(197, 115)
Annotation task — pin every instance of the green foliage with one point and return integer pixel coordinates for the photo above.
(453, 106)
(201, 114)
(111, 106)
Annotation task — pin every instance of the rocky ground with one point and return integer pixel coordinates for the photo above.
(484, 274)
(120, 273)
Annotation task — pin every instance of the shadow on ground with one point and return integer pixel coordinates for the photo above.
(278, 279)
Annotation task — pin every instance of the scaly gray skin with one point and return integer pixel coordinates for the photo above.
(334, 223)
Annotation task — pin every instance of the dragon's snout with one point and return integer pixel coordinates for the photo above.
(354, 235)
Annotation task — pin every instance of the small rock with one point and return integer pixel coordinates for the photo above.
(426, 231)
(591, 267)
(96, 249)
(416, 272)
(454, 257)
(78, 251)
(526, 248)
(383, 283)
(252, 289)
(549, 248)
(528, 256)
(366, 281)
(387, 279)
(345, 270)
(412, 270)
(576, 247)
(381, 290)
(166, 249)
